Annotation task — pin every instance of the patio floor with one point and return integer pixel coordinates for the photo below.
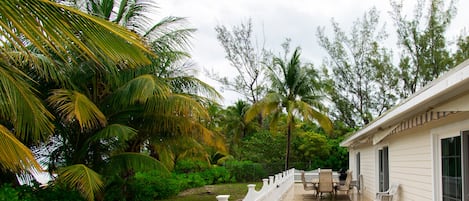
(297, 193)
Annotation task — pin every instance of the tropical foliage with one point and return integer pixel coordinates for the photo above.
(42, 43)
(107, 98)
(294, 90)
(108, 112)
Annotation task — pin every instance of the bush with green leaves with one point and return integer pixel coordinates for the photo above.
(188, 166)
(152, 185)
(245, 171)
(191, 180)
(7, 193)
(216, 175)
(36, 193)
(265, 148)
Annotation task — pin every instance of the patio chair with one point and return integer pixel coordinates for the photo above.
(346, 186)
(325, 182)
(307, 187)
(389, 195)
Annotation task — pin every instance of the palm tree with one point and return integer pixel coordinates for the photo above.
(177, 112)
(44, 37)
(294, 92)
(93, 138)
(57, 42)
(176, 121)
(235, 125)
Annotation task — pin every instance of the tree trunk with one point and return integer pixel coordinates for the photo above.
(287, 154)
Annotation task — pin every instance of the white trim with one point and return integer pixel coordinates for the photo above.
(377, 148)
(452, 83)
(437, 134)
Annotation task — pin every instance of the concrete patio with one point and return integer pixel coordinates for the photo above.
(297, 193)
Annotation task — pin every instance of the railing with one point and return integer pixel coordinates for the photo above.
(273, 189)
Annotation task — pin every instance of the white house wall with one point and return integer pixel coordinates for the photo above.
(367, 169)
(410, 164)
(411, 159)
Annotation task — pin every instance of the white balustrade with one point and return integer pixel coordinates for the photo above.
(273, 189)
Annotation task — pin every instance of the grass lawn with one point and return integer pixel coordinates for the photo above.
(236, 191)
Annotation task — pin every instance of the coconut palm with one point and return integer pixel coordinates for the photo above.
(160, 101)
(236, 126)
(39, 39)
(56, 30)
(175, 121)
(294, 92)
(93, 139)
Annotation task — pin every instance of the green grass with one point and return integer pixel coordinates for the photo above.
(236, 191)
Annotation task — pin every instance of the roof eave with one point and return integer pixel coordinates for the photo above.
(454, 81)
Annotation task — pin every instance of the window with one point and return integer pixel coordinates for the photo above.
(358, 164)
(451, 169)
(383, 169)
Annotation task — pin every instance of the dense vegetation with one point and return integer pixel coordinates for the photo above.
(108, 102)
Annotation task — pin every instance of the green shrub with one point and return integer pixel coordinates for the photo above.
(149, 186)
(216, 175)
(114, 189)
(7, 193)
(55, 193)
(245, 171)
(36, 193)
(191, 180)
(189, 166)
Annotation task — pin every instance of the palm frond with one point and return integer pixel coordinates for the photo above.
(165, 154)
(40, 66)
(114, 132)
(193, 85)
(124, 162)
(182, 147)
(74, 106)
(270, 104)
(134, 14)
(177, 105)
(122, 132)
(15, 156)
(310, 114)
(21, 107)
(64, 31)
(169, 34)
(139, 90)
(83, 179)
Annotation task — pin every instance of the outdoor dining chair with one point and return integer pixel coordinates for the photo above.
(307, 187)
(325, 182)
(346, 186)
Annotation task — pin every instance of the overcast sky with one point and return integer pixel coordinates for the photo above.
(274, 21)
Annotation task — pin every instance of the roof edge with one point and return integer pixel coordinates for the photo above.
(454, 78)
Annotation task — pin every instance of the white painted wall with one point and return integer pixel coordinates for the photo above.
(410, 164)
(413, 159)
(367, 169)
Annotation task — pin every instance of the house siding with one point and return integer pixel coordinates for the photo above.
(413, 131)
(410, 164)
(367, 169)
(411, 159)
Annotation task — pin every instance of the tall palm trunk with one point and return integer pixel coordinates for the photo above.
(287, 153)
